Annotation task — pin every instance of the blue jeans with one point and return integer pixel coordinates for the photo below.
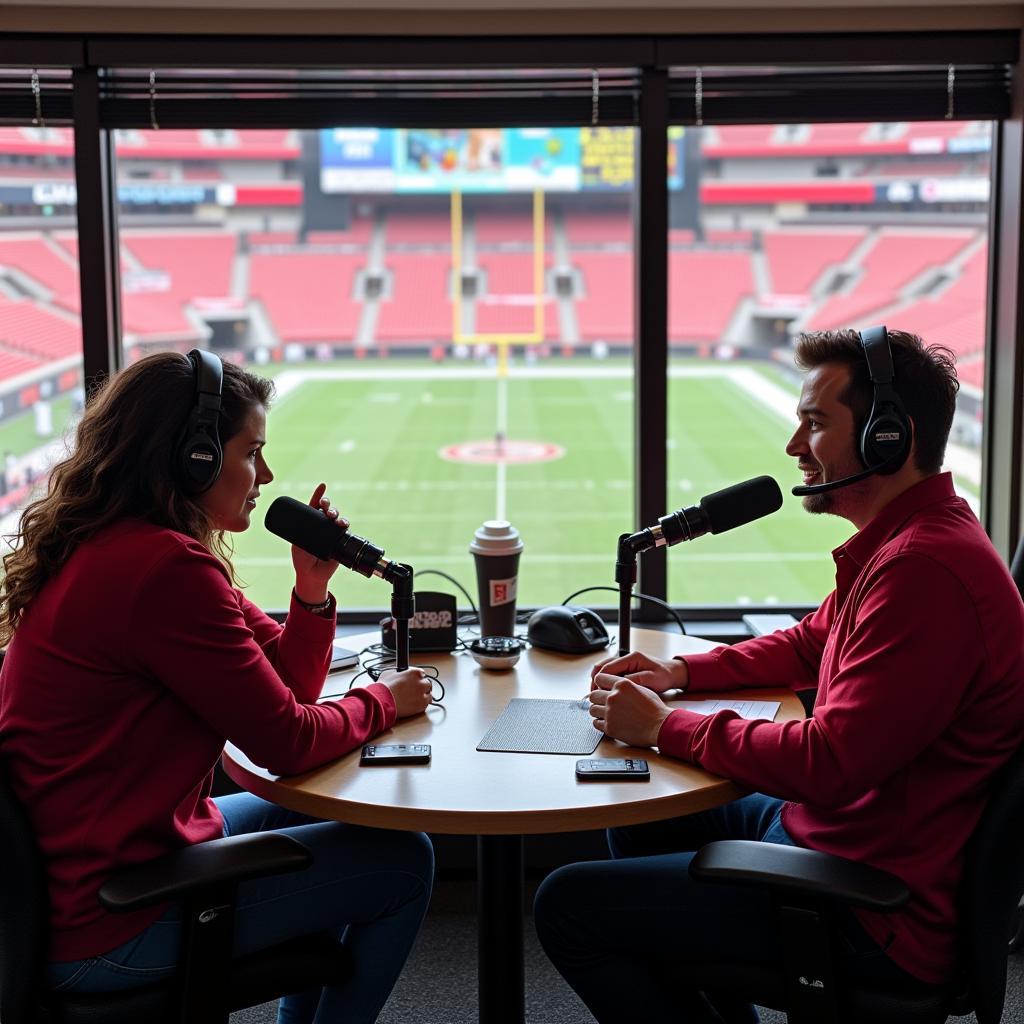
(614, 929)
(370, 887)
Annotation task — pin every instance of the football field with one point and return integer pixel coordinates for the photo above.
(417, 456)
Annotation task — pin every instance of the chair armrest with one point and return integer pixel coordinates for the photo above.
(216, 862)
(795, 871)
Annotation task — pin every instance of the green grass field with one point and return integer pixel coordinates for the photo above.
(377, 443)
(374, 431)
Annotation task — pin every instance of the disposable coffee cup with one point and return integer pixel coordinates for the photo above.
(496, 548)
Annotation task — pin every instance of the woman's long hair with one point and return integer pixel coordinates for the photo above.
(121, 468)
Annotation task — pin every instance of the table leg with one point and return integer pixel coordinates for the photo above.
(500, 976)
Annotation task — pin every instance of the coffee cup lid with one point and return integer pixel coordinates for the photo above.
(496, 537)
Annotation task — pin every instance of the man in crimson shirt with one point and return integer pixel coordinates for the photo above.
(919, 663)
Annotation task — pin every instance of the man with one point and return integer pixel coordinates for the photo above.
(919, 663)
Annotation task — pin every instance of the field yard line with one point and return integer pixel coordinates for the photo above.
(288, 380)
(501, 429)
(556, 559)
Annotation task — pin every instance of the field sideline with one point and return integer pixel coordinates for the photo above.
(375, 434)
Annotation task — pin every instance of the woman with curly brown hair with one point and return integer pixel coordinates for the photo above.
(133, 657)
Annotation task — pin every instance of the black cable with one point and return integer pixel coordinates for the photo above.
(640, 597)
(454, 582)
(382, 658)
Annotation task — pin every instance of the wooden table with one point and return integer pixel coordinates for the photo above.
(499, 797)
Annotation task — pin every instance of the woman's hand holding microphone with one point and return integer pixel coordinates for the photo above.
(311, 573)
(410, 688)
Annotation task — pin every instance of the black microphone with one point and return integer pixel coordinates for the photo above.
(804, 489)
(308, 528)
(715, 513)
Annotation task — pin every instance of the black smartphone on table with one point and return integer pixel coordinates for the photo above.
(395, 753)
(612, 769)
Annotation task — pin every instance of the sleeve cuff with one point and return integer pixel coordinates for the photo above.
(387, 702)
(309, 625)
(701, 668)
(675, 737)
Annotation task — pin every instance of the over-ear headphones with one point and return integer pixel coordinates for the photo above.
(885, 439)
(198, 457)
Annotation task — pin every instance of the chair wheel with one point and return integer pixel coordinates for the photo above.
(1017, 941)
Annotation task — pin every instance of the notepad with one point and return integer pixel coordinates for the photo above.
(543, 727)
(744, 708)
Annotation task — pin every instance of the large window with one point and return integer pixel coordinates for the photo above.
(41, 390)
(468, 318)
(447, 315)
(804, 227)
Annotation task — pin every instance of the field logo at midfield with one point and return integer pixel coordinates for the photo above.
(499, 450)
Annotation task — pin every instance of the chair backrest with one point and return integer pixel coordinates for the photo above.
(993, 882)
(23, 911)
(1017, 566)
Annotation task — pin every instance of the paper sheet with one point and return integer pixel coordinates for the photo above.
(744, 708)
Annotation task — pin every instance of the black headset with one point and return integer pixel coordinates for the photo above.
(885, 439)
(198, 456)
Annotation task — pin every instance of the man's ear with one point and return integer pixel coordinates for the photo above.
(912, 454)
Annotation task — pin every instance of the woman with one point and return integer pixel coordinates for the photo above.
(133, 657)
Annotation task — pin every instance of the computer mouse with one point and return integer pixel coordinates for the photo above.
(567, 628)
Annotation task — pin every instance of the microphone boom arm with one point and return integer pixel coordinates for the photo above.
(625, 577)
(403, 607)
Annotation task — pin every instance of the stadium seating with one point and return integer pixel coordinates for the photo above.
(418, 229)
(195, 265)
(727, 236)
(309, 296)
(273, 237)
(954, 317)
(604, 311)
(30, 337)
(493, 227)
(507, 304)
(420, 307)
(705, 288)
(798, 258)
(596, 227)
(34, 257)
(972, 373)
(199, 264)
(896, 257)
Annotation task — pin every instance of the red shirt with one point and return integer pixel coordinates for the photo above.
(918, 656)
(128, 672)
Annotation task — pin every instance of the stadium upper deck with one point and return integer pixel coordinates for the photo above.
(389, 280)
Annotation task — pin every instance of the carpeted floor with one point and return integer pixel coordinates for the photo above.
(438, 985)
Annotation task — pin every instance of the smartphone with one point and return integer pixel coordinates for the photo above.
(611, 769)
(395, 753)
(342, 658)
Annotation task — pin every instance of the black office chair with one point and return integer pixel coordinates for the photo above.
(209, 983)
(808, 887)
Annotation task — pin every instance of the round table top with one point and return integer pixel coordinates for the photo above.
(469, 792)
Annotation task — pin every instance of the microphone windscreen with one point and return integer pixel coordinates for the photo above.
(742, 503)
(304, 526)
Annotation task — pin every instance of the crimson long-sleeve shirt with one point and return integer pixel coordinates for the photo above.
(128, 672)
(918, 656)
